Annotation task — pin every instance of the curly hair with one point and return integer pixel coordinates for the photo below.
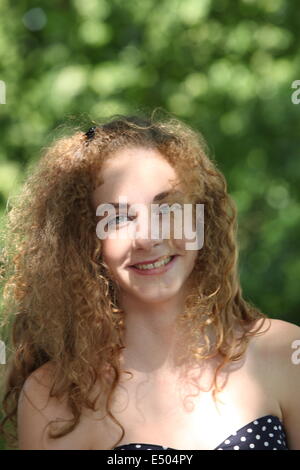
(59, 300)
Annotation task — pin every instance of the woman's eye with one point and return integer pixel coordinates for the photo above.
(163, 209)
(115, 218)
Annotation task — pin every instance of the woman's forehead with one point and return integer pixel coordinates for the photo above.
(139, 172)
(137, 158)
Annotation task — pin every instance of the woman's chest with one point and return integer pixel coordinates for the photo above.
(182, 413)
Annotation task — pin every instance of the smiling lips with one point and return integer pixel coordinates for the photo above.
(157, 268)
(152, 261)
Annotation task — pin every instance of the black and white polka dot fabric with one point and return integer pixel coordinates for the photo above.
(265, 433)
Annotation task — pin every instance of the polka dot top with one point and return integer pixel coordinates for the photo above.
(265, 433)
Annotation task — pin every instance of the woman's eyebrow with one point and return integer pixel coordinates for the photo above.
(158, 197)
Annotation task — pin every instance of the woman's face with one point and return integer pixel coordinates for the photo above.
(139, 174)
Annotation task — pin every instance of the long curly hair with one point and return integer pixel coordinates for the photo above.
(59, 299)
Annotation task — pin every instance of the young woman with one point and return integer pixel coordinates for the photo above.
(111, 351)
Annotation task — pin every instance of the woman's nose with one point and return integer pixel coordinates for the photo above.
(146, 231)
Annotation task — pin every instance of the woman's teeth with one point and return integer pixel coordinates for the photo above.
(154, 265)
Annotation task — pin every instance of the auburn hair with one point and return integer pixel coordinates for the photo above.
(59, 299)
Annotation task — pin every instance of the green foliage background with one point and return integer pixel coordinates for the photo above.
(224, 67)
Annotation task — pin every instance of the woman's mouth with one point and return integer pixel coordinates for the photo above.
(155, 268)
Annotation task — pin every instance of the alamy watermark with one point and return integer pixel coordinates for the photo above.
(2, 352)
(296, 354)
(296, 94)
(2, 92)
(183, 222)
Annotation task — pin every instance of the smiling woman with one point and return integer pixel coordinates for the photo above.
(142, 174)
(87, 311)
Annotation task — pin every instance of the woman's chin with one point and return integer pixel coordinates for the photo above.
(154, 295)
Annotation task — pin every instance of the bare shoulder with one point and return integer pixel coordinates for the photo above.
(43, 375)
(276, 345)
(278, 338)
(37, 385)
(279, 351)
(36, 409)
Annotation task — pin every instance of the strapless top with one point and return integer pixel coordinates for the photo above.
(265, 433)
